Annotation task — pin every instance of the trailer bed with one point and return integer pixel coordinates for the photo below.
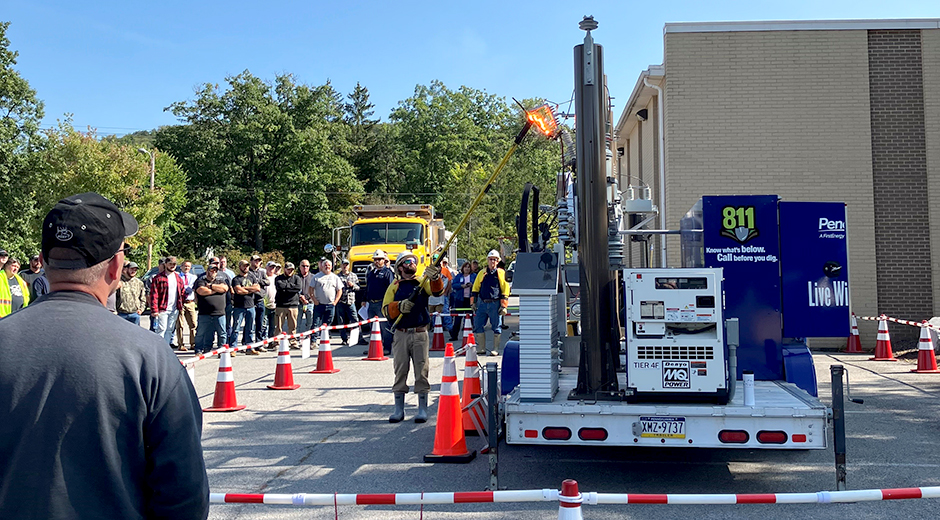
(784, 417)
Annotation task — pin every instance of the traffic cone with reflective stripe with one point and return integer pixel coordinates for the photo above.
(926, 359)
(325, 355)
(437, 339)
(467, 332)
(224, 398)
(375, 344)
(569, 501)
(450, 445)
(284, 375)
(471, 387)
(854, 343)
(883, 344)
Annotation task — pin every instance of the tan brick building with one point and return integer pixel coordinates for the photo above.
(811, 111)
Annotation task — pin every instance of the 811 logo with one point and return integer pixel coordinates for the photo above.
(676, 374)
(737, 223)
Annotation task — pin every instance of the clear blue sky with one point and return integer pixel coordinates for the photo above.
(116, 65)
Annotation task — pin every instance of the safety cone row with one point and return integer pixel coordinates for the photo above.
(437, 339)
(883, 344)
(569, 501)
(284, 376)
(450, 445)
(224, 398)
(375, 344)
(854, 344)
(926, 359)
(471, 387)
(325, 355)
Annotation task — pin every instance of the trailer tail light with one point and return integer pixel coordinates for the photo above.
(592, 434)
(531, 434)
(733, 436)
(555, 433)
(798, 437)
(771, 437)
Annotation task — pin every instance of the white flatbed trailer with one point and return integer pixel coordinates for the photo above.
(783, 417)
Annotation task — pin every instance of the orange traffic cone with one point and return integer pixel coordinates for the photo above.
(467, 331)
(569, 501)
(450, 445)
(224, 398)
(375, 344)
(854, 344)
(926, 359)
(883, 344)
(437, 339)
(284, 376)
(325, 355)
(471, 387)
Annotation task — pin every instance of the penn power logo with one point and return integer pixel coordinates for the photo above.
(737, 223)
(831, 228)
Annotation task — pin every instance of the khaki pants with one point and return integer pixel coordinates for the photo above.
(410, 346)
(189, 315)
(286, 315)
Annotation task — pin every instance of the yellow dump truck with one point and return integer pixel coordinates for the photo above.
(393, 228)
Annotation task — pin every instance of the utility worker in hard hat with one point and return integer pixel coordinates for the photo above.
(489, 298)
(379, 277)
(410, 341)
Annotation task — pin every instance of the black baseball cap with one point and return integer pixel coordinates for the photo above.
(88, 224)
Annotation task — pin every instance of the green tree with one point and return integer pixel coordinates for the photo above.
(20, 114)
(266, 165)
(74, 162)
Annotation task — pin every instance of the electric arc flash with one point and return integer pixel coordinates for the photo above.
(543, 118)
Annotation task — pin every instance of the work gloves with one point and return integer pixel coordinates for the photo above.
(473, 305)
(432, 272)
(503, 311)
(405, 306)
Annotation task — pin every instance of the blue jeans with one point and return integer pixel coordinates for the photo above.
(261, 327)
(375, 310)
(207, 328)
(272, 322)
(241, 319)
(132, 317)
(487, 311)
(166, 325)
(446, 320)
(305, 317)
(346, 315)
(323, 314)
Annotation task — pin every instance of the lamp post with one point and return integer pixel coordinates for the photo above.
(152, 171)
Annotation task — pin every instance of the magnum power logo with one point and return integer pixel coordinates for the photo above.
(737, 223)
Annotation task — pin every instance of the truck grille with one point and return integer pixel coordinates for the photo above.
(360, 269)
(675, 352)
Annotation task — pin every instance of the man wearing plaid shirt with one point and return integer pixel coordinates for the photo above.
(166, 298)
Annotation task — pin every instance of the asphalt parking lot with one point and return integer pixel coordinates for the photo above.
(332, 435)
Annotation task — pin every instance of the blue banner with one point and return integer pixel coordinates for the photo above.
(741, 236)
(814, 258)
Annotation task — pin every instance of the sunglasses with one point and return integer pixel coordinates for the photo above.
(407, 262)
(126, 250)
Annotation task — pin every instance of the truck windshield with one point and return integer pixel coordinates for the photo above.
(391, 233)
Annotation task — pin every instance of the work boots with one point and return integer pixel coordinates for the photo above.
(495, 351)
(480, 339)
(399, 408)
(422, 415)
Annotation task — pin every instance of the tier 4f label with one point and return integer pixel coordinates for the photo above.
(822, 295)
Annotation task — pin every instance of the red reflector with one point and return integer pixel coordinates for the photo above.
(798, 437)
(531, 434)
(592, 434)
(771, 437)
(733, 436)
(556, 433)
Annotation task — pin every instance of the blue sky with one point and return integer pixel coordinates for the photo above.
(116, 65)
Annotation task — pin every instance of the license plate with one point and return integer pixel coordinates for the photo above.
(662, 427)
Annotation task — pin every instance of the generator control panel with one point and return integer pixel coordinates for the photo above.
(675, 335)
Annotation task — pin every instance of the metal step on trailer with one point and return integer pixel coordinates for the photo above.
(783, 417)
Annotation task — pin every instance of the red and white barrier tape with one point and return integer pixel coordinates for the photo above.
(551, 495)
(274, 340)
(921, 324)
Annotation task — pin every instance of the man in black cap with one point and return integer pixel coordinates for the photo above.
(31, 275)
(98, 417)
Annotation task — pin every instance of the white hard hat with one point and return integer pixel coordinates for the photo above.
(379, 254)
(401, 258)
(493, 254)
